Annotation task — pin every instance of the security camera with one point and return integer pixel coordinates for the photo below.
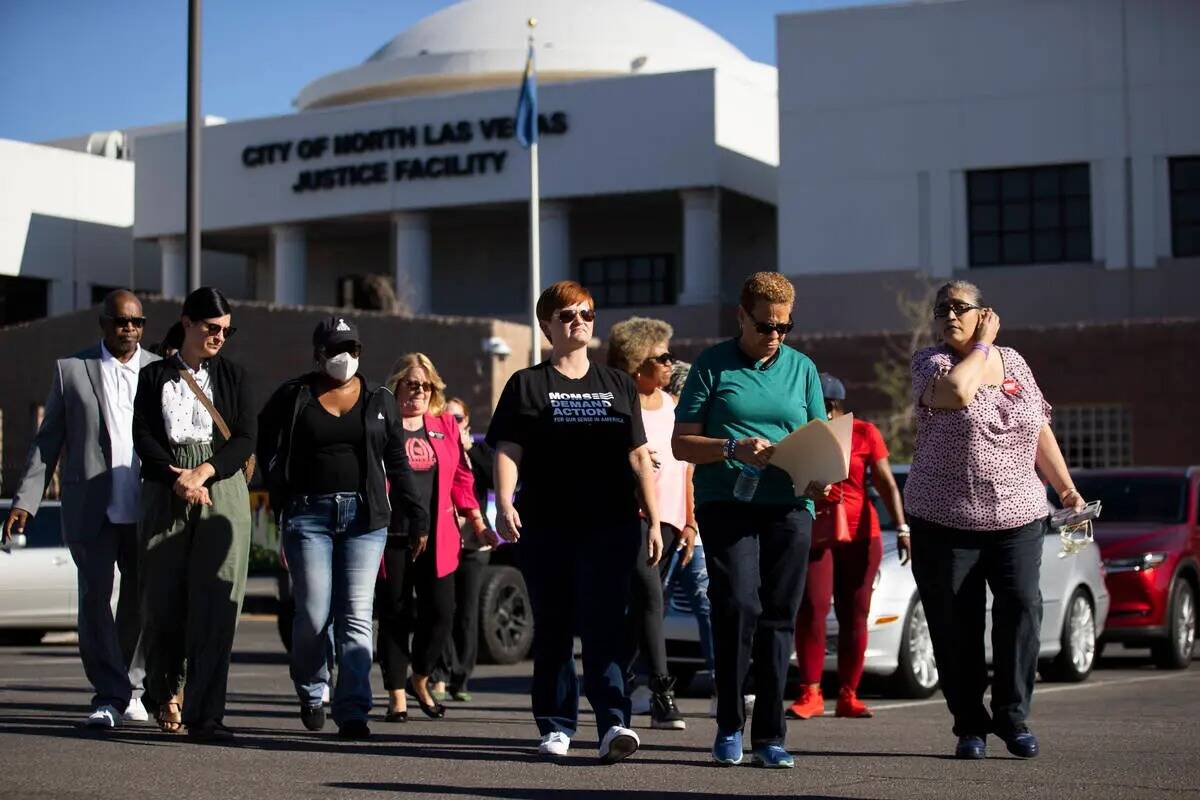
(495, 346)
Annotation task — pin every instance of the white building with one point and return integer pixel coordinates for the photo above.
(1048, 150)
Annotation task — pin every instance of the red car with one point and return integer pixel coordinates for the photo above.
(1149, 537)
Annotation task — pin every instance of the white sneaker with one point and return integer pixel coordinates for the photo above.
(325, 695)
(617, 744)
(103, 717)
(554, 744)
(641, 700)
(135, 711)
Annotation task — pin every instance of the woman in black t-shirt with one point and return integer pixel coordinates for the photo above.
(572, 432)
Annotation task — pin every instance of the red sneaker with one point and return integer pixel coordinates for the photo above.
(810, 703)
(848, 705)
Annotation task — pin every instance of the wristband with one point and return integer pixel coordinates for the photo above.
(903, 529)
(730, 448)
(983, 348)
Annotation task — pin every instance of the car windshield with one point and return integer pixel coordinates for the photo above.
(1136, 498)
(44, 530)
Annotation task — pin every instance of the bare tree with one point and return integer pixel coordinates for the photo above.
(892, 372)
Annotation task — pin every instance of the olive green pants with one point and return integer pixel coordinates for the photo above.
(194, 561)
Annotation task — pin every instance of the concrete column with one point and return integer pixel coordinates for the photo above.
(1144, 202)
(60, 297)
(174, 266)
(555, 223)
(941, 224)
(289, 256)
(412, 261)
(701, 246)
(1110, 214)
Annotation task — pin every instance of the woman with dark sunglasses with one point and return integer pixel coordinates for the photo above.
(330, 443)
(740, 396)
(414, 566)
(640, 347)
(195, 529)
(572, 432)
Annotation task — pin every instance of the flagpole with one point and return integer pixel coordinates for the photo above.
(535, 236)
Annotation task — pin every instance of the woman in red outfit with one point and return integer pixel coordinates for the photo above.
(845, 574)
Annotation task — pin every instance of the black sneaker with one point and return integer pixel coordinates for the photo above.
(313, 717)
(354, 729)
(664, 714)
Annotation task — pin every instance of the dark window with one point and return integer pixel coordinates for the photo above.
(1185, 206)
(614, 281)
(1136, 498)
(22, 299)
(44, 529)
(1031, 215)
(101, 292)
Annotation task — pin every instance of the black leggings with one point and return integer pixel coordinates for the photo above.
(645, 615)
(428, 619)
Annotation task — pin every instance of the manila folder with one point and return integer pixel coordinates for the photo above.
(818, 451)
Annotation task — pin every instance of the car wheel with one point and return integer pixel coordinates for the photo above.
(917, 673)
(1175, 652)
(505, 617)
(1075, 660)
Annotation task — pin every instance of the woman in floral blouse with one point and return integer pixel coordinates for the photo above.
(978, 511)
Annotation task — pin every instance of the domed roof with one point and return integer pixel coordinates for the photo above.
(481, 44)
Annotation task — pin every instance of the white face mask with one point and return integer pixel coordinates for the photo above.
(341, 367)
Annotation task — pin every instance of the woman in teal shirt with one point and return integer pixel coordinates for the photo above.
(740, 397)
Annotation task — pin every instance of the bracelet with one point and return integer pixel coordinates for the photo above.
(730, 448)
(903, 528)
(986, 349)
(693, 527)
(903, 535)
(1065, 492)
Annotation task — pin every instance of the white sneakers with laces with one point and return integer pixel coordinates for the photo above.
(135, 711)
(618, 743)
(103, 717)
(554, 744)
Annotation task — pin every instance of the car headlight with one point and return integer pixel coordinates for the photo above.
(1142, 563)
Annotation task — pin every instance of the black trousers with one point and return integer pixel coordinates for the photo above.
(578, 579)
(953, 568)
(645, 630)
(427, 619)
(757, 559)
(458, 660)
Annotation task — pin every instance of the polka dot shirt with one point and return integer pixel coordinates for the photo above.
(974, 468)
(187, 420)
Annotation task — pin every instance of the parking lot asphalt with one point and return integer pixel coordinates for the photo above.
(1130, 731)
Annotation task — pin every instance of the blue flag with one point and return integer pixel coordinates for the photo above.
(527, 109)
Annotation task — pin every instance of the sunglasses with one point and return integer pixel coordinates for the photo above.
(353, 348)
(567, 315)
(419, 386)
(663, 359)
(942, 310)
(767, 328)
(212, 329)
(121, 322)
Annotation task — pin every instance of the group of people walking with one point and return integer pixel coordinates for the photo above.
(606, 475)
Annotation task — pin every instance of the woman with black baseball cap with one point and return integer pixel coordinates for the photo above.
(329, 442)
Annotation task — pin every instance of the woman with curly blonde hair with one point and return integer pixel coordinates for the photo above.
(411, 563)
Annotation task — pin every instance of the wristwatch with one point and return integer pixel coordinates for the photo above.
(730, 448)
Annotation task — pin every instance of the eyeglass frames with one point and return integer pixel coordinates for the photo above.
(942, 310)
(567, 315)
(766, 328)
(121, 322)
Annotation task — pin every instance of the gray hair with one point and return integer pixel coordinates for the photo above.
(966, 287)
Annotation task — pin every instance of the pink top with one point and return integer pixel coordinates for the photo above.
(974, 468)
(671, 477)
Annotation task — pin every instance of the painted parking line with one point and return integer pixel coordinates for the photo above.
(1039, 691)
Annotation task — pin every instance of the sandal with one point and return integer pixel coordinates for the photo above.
(170, 721)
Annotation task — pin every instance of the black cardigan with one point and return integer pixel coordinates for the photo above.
(231, 396)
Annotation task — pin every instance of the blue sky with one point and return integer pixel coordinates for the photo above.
(69, 67)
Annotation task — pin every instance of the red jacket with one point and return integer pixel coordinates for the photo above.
(455, 488)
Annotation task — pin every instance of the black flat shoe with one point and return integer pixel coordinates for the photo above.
(435, 711)
(354, 729)
(396, 716)
(210, 731)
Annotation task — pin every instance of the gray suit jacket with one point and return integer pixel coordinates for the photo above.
(73, 421)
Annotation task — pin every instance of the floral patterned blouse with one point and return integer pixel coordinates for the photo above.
(974, 468)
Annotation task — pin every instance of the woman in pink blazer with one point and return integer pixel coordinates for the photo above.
(411, 563)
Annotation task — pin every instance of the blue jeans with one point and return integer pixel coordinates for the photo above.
(688, 594)
(333, 560)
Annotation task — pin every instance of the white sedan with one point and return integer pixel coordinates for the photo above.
(38, 589)
(899, 649)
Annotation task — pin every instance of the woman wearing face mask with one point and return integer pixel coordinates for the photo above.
(413, 564)
(328, 443)
(195, 530)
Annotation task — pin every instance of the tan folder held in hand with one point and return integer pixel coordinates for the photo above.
(818, 451)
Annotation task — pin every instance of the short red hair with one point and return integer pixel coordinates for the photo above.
(561, 295)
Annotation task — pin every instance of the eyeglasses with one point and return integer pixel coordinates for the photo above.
(419, 386)
(567, 315)
(353, 348)
(121, 322)
(942, 310)
(212, 329)
(663, 359)
(766, 328)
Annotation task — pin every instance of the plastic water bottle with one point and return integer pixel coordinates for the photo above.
(747, 483)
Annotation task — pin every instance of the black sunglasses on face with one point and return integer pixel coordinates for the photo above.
(663, 359)
(121, 322)
(942, 310)
(353, 348)
(417, 386)
(567, 315)
(212, 329)
(766, 328)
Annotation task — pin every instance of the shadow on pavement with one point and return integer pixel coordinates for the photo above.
(406, 789)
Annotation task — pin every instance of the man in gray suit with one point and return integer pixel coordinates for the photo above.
(88, 421)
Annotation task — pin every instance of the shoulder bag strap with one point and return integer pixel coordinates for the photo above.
(217, 419)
